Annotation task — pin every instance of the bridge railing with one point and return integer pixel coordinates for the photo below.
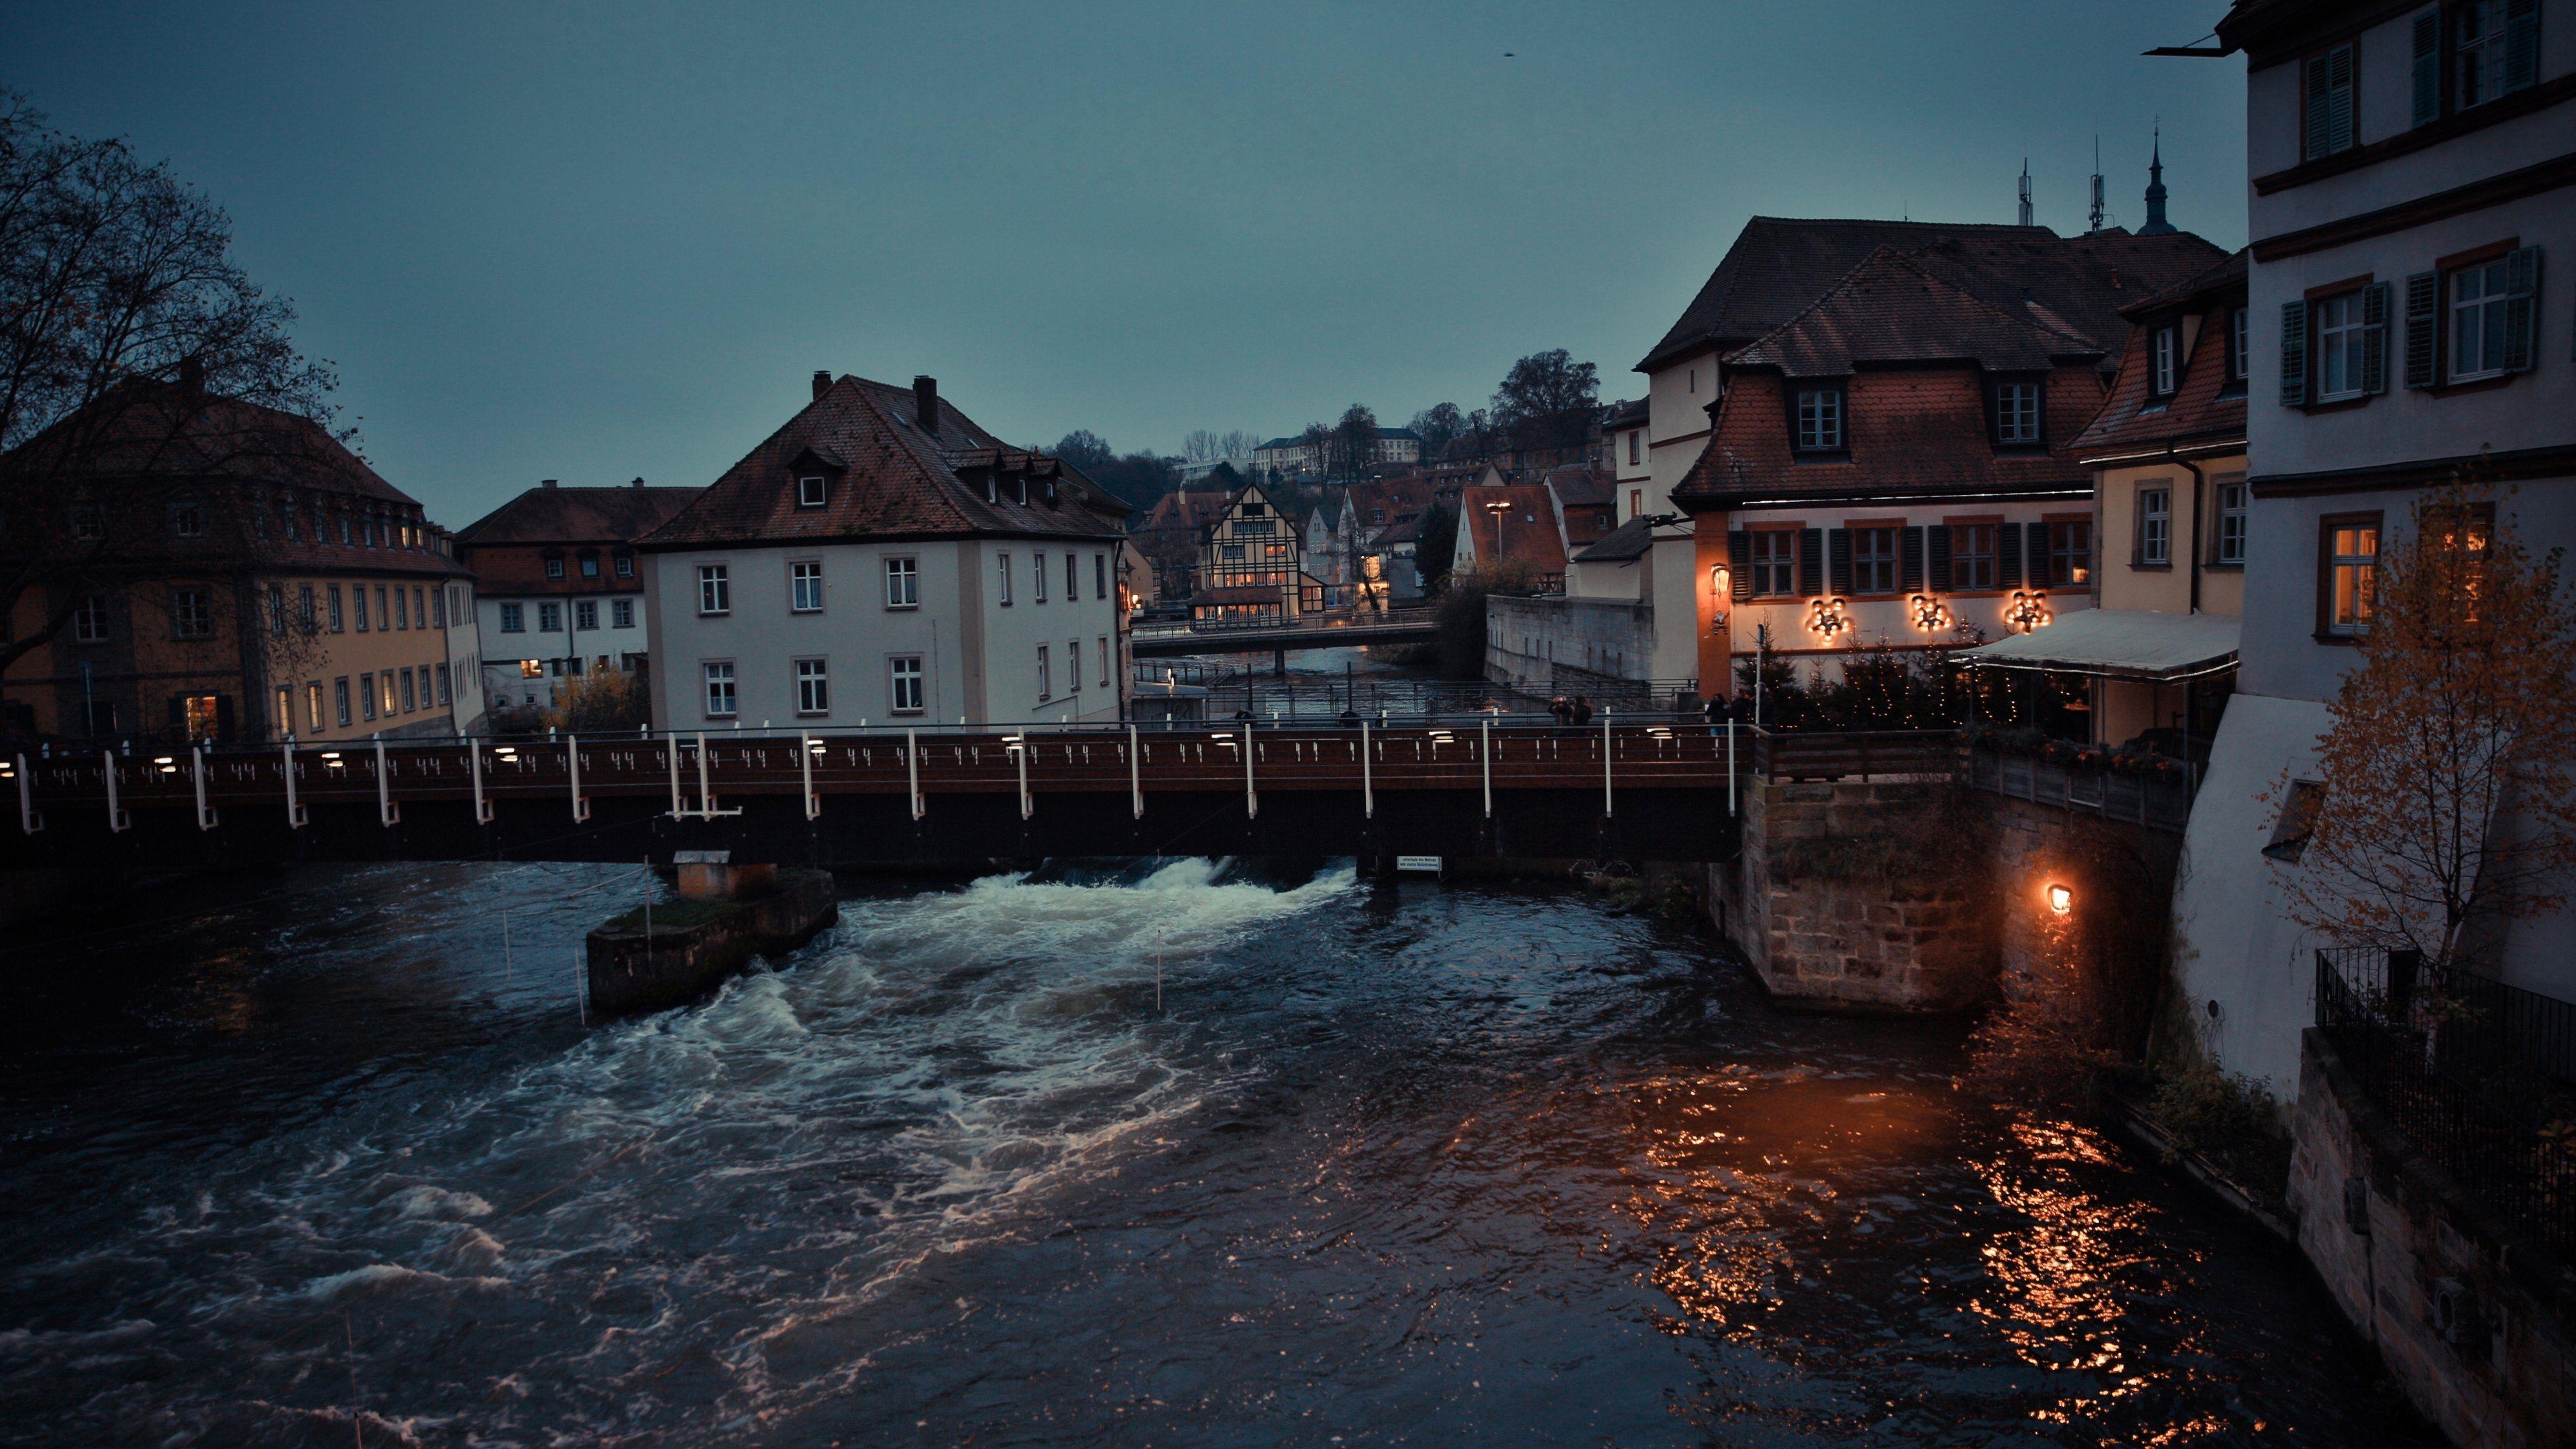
(1838, 754)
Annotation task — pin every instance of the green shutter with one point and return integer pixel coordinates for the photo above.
(2008, 556)
(1909, 554)
(2374, 338)
(2423, 333)
(1811, 562)
(2521, 43)
(1838, 560)
(1739, 564)
(2428, 67)
(1936, 541)
(2294, 354)
(2521, 308)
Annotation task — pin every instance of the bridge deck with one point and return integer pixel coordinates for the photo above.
(891, 794)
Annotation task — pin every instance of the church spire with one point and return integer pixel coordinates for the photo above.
(2156, 223)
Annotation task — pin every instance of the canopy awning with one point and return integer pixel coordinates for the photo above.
(2118, 644)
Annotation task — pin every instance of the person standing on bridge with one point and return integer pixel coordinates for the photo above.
(1582, 711)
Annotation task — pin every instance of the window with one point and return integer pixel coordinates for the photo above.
(626, 565)
(1044, 683)
(1101, 647)
(358, 596)
(813, 689)
(590, 566)
(1773, 563)
(2163, 363)
(719, 690)
(89, 524)
(1972, 556)
(1002, 565)
(1073, 666)
(2340, 332)
(188, 519)
(2229, 546)
(550, 618)
(335, 613)
(383, 615)
(1037, 572)
(585, 614)
(811, 492)
(1636, 501)
(386, 682)
(715, 590)
(2328, 108)
(805, 587)
(89, 620)
(443, 696)
(532, 669)
(277, 611)
(2016, 413)
(367, 696)
(1820, 420)
(2239, 359)
(554, 568)
(1100, 576)
(2155, 527)
(2479, 297)
(192, 616)
(304, 616)
(402, 611)
(1230, 552)
(201, 715)
(903, 583)
(906, 680)
(313, 704)
(514, 618)
(2351, 548)
(438, 600)
(1632, 449)
(286, 521)
(621, 613)
(345, 537)
(2070, 554)
(98, 717)
(409, 701)
(2479, 68)
(1072, 578)
(1873, 560)
(340, 699)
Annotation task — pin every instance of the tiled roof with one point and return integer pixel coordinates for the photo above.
(1186, 510)
(577, 515)
(1522, 529)
(2220, 283)
(1579, 485)
(1628, 541)
(1917, 432)
(1780, 264)
(2208, 407)
(1892, 309)
(902, 480)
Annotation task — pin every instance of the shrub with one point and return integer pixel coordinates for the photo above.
(600, 702)
(2231, 1120)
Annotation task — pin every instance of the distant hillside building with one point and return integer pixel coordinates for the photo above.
(1297, 458)
(560, 596)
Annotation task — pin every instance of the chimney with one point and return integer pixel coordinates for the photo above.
(925, 403)
(546, 483)
(822, 384)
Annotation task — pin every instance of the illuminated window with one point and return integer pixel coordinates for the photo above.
(2352, 574)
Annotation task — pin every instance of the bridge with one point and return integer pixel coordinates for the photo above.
(892, 797)
(1325, 631)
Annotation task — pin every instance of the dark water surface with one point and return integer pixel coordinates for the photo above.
(1429, 1166)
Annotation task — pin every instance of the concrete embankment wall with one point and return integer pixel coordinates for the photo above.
(2475, 1323)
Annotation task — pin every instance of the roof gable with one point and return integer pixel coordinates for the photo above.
(1891, 309)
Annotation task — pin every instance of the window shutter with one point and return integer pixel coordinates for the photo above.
(2521, 43)
(2008, 555)
(2423, 334)
(2319, 100)
(1838, 549)
(1938, 537)
(2339, 134)
(2374, 337)
(2521, 307)
(2428, 66)
(1739, 561)
(223, 719)
(1811, 561)
(1910, 561)
(2294, 354)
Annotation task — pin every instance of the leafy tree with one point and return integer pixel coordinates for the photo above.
(1085, 450)
(1548, 400)
(1438, 426)
(1355, 440)
(604, 701)
(1436, 546)
(2461, 714)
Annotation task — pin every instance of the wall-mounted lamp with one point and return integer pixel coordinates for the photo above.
(2060, 899)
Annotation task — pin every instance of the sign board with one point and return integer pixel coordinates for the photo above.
(1417, 865)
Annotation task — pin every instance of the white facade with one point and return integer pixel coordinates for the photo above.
(980, 631)
(2398, 198)
(534, 641)
(465, 659)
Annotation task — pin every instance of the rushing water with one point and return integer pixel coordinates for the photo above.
(1417, 1166)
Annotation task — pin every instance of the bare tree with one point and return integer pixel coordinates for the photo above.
(1084, 449)
(1438, 426)
(1237, 446)
(1318, 442)
(141, 372)
(1355, 440)
(1201, 446)
(2447, 772)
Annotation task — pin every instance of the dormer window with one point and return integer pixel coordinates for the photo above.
(992, 488)
(590, 566)
(626, 565)
(2017, 413)
(1022, 481)
(812, 490)
(1819, 420)
(2164, 361)
(555, 567)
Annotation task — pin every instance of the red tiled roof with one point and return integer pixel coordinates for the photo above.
(894, 478)
(1892, 309)
(1512, 523)
(2208, 407)
(1913, 432)
(577, 515)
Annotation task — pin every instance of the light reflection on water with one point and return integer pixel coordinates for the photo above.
(1420, 1166)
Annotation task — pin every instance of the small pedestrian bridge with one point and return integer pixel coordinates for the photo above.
(1481, 786)
(1278, 637)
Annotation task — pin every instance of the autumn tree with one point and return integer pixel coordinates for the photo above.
(2447, 767)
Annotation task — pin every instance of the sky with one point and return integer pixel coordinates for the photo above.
(600, 242)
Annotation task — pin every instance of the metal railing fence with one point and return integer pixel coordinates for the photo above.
(2479, 1075)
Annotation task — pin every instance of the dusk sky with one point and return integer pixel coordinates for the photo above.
(592, 243)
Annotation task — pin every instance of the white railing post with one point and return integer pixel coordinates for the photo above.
(912, 772)
(1135, 774)
(805, 753)
(1485, 754)
(1368, 791)
(572, 760)
(386, 810)
(197, 763)
(1605, 762)
(28, 820)
(474, 764)
(672, 742)
(297, 817)
(117, 819)
(1024, 749)
(1251, 801)
(706, 795)
(1730, 767)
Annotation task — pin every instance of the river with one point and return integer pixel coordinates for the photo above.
(1421, 1165)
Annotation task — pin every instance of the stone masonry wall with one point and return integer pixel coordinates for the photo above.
(2501, 1373)
(1858, 896)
